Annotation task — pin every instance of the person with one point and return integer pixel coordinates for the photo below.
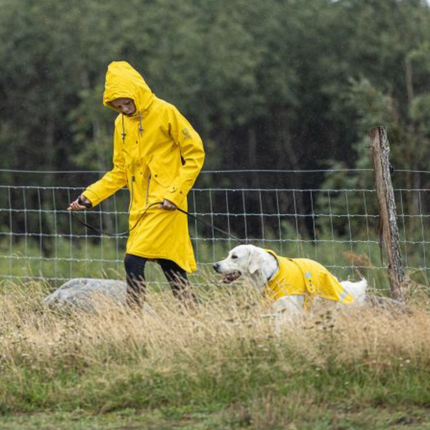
(158, 156)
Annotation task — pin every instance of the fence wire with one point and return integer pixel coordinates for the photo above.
(41, 240)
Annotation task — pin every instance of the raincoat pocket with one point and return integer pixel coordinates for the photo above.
(158, 182)
(160, 174)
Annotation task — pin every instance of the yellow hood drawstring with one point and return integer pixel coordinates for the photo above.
(123, 134)
(140, 123)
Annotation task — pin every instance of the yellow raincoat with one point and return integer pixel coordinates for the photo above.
(299, 276)
(158, 155)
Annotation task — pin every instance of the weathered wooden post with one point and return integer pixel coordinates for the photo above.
(387, 209)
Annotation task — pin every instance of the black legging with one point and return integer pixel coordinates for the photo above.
(136, 287)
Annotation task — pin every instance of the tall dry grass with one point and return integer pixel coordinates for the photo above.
(225, 353)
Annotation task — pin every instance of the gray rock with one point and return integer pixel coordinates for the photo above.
(386, 303)
(86, 294)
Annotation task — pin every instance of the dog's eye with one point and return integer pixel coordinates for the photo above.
(233, 257)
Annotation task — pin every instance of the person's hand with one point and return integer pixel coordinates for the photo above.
(79, 204)
(168, 205)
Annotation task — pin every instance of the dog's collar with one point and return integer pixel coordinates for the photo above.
(270, 252)
(273, 273)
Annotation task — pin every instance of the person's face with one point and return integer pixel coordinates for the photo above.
(125, 105)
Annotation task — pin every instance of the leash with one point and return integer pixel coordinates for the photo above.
(211, 226)
(100, 231)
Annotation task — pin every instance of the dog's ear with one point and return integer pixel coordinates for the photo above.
(255, 260)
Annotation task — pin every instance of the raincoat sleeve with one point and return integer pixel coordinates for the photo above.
(192, 152)
(112, 181)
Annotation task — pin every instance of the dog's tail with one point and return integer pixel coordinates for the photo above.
(357, 289)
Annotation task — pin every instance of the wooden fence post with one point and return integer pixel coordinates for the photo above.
(380, 148)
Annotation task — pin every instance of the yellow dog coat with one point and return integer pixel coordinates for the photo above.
(301, 276)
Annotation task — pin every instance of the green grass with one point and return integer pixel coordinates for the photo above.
(235, 417)
(223, 365)
(64, 259)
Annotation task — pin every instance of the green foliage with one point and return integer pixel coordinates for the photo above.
(277, 84)
(274, 72)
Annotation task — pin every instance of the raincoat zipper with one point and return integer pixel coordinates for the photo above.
(147, 190)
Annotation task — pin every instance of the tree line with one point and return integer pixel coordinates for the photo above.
(279, 84)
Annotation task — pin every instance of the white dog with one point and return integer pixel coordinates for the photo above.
(289, 284)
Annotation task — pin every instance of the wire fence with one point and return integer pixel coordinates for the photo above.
(41, 240)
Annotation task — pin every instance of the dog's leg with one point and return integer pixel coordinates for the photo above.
(291, 305)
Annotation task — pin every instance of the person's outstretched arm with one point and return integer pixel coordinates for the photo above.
(112, 181)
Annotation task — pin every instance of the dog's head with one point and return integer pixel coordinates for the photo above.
(242, 260)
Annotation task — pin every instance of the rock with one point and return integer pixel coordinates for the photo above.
(386, 303)
(87, 293)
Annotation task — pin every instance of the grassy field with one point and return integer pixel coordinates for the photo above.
(223, 365)
(25, 260)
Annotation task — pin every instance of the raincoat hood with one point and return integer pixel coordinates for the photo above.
(123, 81)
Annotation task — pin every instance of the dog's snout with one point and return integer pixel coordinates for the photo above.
(216, 267)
